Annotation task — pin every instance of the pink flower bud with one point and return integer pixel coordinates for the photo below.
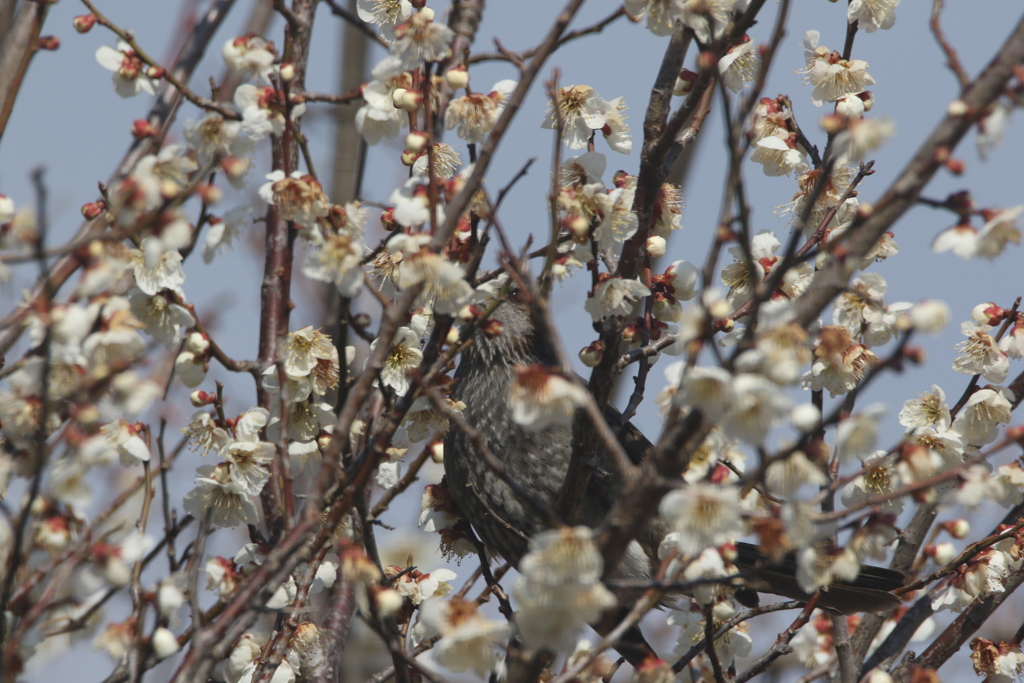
(83, 23)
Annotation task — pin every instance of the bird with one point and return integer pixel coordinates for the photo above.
(538, 461)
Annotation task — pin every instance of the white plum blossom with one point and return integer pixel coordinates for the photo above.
(708, 18)
(420, 39)
(984, 573)
(412, 203)
(760, 404)
(862, 136)
(927, 410)
(379, 118)
(218, 494)
(839, 362)
(385, 13)
(660, 14)
(162, 317)
(703, 516)
(559, 589)
(476, 113)
(581, 113)
(872, 15)
(404, 355)
(878, 478)
(738, 277)
(446, 162)
(707, 389)
(469, 641)
(445, 290)
(336, 257)
(222, 232)
(779, 156)
(130, 446)
(736, 642)
(263, 110)
(980, 354)
(129, 70)
(857, 434)
(214, 137)
(540, 398)
(249, 55)
(984, 411)
(615, 296)
(298, 197)
(740, 65)
(157, 268)
(832, 76)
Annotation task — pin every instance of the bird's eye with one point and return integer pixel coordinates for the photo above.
(516, 294)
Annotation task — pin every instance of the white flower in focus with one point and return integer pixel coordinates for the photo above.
(615, 130)
(540, 398)
(839, 364)
(983, 574)
(740, 65)
(779, 155)
(250, 463)
(927, 410)
(379, 118)
(832, 76)
(703, 516)
(984, 411)
(615, 296)
(738, 277)
(581, 113)
(249, 55)
(404, 355)
(872, 15)
(304, 349)
(468, 640)
(420, 40)
(157, 268)
(218, 494)
(980, 354)
(760, 404)
(129, 70)
(736, 642)
(386, 13)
